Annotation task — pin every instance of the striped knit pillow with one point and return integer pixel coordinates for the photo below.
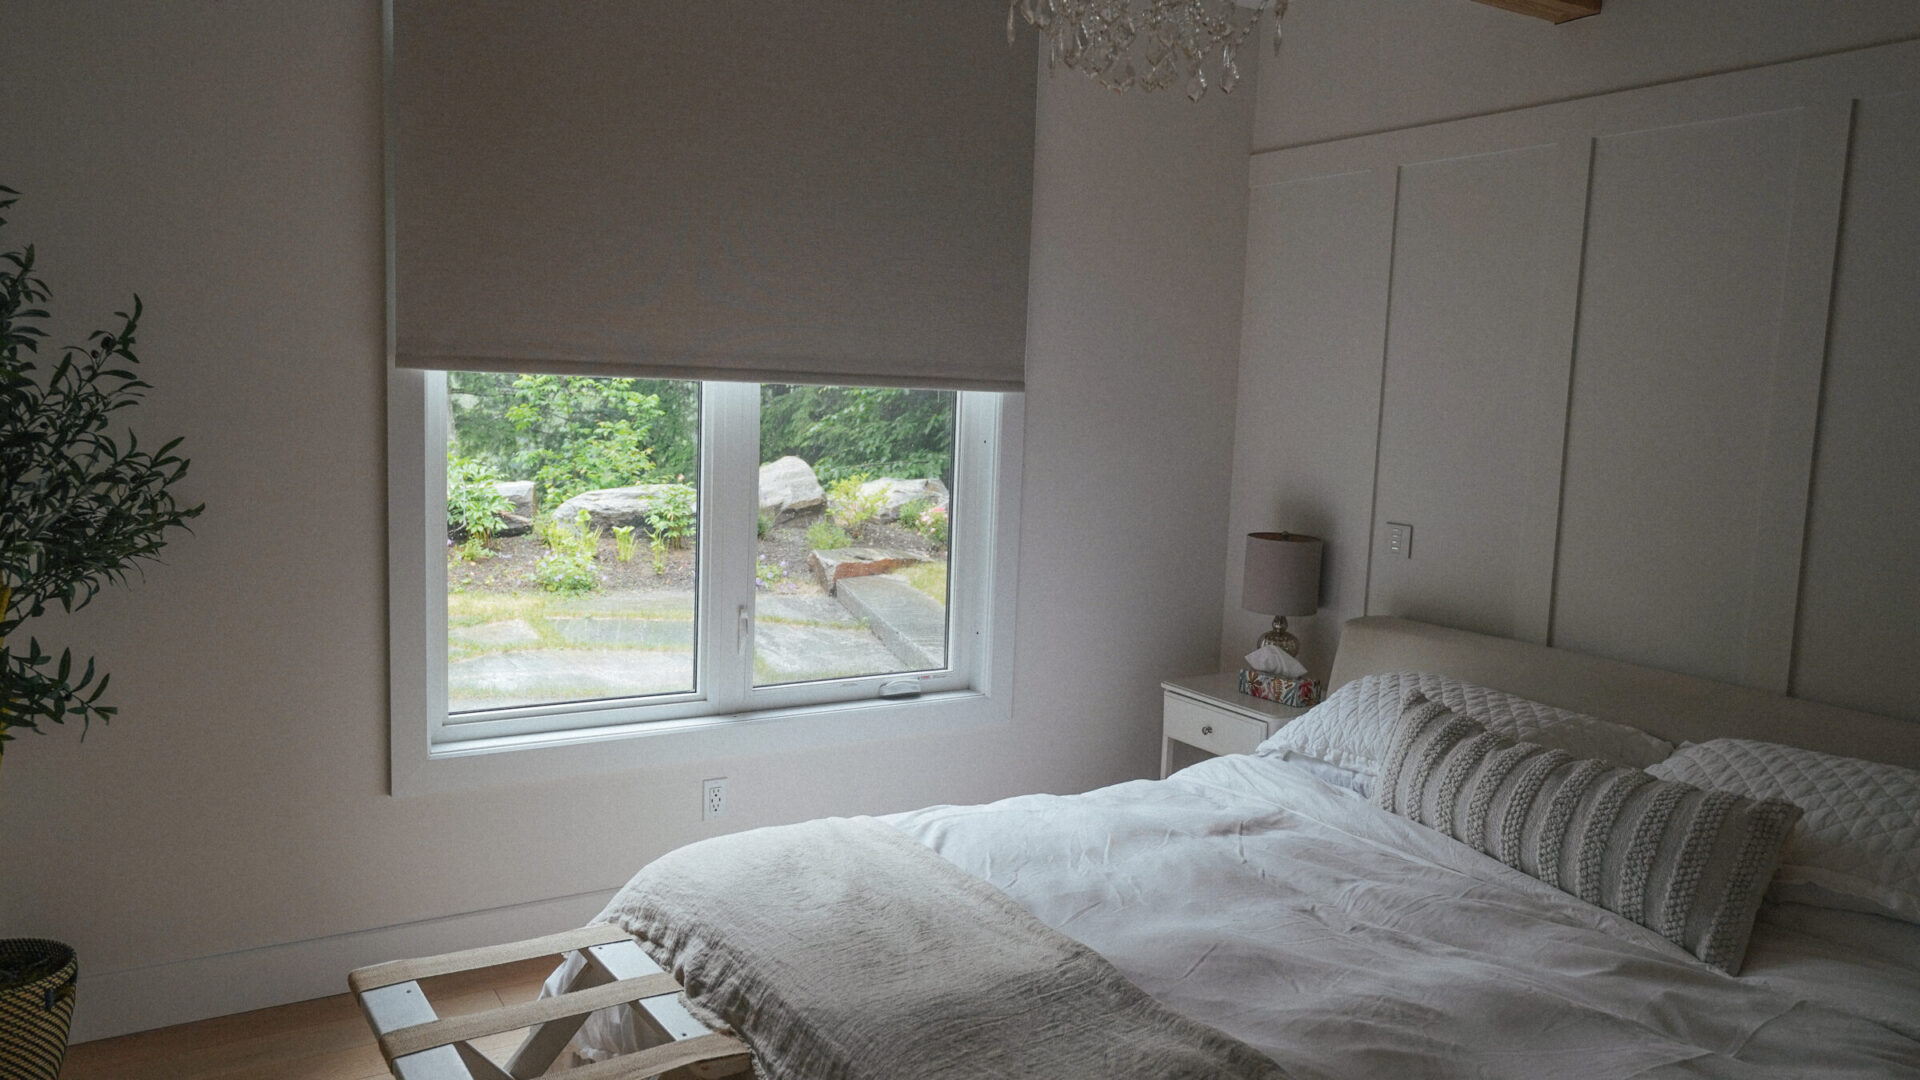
(1688, 864)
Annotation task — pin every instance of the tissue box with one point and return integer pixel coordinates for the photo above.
(1296, 693)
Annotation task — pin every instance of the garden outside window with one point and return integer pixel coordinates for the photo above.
(595, 557)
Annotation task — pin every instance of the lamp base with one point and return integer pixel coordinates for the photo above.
(1280, 637)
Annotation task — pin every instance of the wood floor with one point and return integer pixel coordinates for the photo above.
(324, 1039)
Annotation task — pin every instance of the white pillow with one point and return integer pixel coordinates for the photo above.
(1858, 847)
(1353, 727)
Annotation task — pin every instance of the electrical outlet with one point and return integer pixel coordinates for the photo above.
(1400, 540)
(713, 798)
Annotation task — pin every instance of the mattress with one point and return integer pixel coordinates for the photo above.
(1343, 941)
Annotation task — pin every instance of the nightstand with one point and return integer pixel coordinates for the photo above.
(1207, 715)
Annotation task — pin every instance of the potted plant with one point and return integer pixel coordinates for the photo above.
(80, 504)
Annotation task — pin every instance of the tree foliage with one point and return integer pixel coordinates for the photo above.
(846, 430)
(80, 502)
(576, 433)
(571, 433)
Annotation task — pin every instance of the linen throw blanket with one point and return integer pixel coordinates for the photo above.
(841, 948)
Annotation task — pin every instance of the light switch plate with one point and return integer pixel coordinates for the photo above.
(1400, 540)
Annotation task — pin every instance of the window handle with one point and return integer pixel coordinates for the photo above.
(744, 629)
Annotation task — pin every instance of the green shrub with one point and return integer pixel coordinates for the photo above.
(764, 525)
(624, 542)
(931, 523)
(850, 509)
(657, 544)
(567, 567)
(475, 508)
(824, 535)
(673, 517)
(566, 572)
(927, 519)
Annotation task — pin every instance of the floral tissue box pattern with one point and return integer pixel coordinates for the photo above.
(1294, 693)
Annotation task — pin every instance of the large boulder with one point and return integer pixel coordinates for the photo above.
(789, 486)
(610, 507)
(895, 494)
(519, 493)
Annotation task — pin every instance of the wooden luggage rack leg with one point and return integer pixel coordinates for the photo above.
(419, 1045)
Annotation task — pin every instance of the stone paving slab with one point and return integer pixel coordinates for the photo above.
(621, 657)
(535, 676)
(788, 653)
(834, 566)
(803, 609)
(912, 624)
(654, 633)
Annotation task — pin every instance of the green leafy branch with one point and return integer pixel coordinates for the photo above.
(80, 505)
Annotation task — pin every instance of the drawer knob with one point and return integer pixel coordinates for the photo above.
(1206, 729)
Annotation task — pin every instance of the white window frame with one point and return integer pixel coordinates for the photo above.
(428, 752)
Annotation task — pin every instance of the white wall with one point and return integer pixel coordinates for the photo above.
(228, 842)
(1351, 67)
(1585, 349)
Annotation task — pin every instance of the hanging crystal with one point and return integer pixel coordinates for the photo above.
(1149, 44)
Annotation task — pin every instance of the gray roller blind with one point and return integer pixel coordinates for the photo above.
(832, 191)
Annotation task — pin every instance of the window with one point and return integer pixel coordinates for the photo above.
(582, 556)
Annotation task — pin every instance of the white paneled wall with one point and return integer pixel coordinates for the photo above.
(1318, 252)
(1859, 627)
(1476, 385)
(1603, 388)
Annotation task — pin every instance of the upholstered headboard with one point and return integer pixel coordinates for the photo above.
(1679, 708)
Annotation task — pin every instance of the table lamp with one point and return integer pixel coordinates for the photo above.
(1282, 579)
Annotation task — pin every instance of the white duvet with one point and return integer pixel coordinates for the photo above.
(1346, 942)
(1343, 941)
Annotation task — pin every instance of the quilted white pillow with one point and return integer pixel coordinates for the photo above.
(1860, 839)
(1353, 727)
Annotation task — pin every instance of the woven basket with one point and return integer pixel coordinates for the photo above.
(35, 1016)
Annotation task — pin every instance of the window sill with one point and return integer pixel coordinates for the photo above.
(515, 760)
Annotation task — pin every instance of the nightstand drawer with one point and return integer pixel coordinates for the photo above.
(1214, 730)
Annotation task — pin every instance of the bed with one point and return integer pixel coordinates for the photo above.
(1265, 897)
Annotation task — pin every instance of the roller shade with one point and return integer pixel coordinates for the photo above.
(836, 191)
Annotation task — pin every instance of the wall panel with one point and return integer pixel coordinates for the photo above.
(1316, 301)
(1474, 399)
(1858, 643)
(1667, 449)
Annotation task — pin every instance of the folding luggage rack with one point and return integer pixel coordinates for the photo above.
(419, 1044)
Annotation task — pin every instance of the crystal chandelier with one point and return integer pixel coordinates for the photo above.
(1150, 44)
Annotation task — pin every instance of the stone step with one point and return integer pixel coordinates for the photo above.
(837, 564)
(911, 624)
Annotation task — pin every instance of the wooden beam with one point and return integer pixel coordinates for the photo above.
(1554, 11)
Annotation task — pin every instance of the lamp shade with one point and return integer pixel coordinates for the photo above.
(1283, 574)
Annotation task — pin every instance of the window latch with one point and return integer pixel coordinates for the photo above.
(744, 629)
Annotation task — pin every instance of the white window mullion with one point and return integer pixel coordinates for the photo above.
(729, 512)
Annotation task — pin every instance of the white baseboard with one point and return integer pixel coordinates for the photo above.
(160, 995)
